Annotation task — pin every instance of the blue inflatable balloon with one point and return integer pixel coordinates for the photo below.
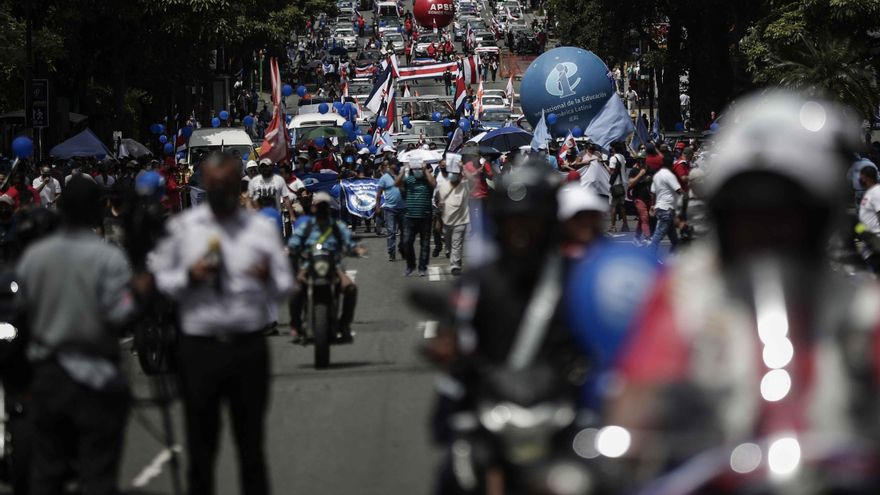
(604, 295)
(22, 147)
(224, 115)
(436, 116)
(215, 122)
(449, 135)
(337, 105)
(382, 122)
(569, 82)
(465, 124)
(551, 119)
(359, 131)
(577, 132)
(288, 118)
(247, 121)
(368, 139)
(150, 184)
(161, 129)
(301, 91)
(163, 139)
(373, 150)
(714, 127)
(352, 109)
(446, 122)
(679, 126)
(169, 149)
(287, 90)
(320, 142)
(343, 111)
(154, 128)
(468, 106)
(323, 108)
(188, 130)
(347, 126)
(406, 121)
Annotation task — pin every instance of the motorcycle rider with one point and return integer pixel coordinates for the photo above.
(495, 308)
(334, 235)
(750, 335)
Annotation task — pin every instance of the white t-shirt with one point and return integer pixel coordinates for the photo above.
(869, 207)
(684, 99)
(273, 186)
(49, 194)
(665, 187)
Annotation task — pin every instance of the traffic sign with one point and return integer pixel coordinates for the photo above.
(39, 102)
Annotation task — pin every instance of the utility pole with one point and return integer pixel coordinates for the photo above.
(28, 63)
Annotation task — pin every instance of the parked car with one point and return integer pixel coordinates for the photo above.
(347, 37)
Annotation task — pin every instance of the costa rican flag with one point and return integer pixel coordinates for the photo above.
(509, 91)
(380, 94)
(460, 94)
(275, 142)
(470, 69)
(568, 144)
(431, 71)
(365, 71)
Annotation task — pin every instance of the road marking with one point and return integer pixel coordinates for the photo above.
(154, 468)
(352, 274)
(433, 273)
(437, 273)
(428, 328)
(125, 340)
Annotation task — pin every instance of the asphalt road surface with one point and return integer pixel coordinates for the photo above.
(359, 427)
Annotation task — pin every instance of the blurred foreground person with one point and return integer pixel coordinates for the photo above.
(223, 265)
(508, 348)
(75, 292)
(582, 214)
(751, 352)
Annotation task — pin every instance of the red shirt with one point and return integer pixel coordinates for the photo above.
(327, 163)
(654, 162)
(171, 201)
(431, 50)
(681, 169)
(12, 192)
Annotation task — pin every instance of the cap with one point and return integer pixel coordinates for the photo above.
(573, 199)
(266, 161)
(251, 164)
(7, 199)
(363, 151)
(321, 197)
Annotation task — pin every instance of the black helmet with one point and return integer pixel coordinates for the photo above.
(529, 189)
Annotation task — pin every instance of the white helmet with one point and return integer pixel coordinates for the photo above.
(806, 140)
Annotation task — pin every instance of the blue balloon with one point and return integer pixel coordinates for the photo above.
(382, 121)
(161, 129)
(347, 126)
(368, 139)
(360, 146)
(150, 184)
(163, 139)
(679, 126)
(577, 132)
(287, 90)
(169, 149)
(436, 116)
(552, 118)
(449, 135)
(465, 124)
(409, 126)
(446, 122)
(224, 115)
(406, 121)
(373, 150)
(468, 106)
(323, 108)
(301, 91)
(22, 147)
(288, 118)
(714, 127)
(603, 297)
(154, 128)
(337, 105)
(352, 136)
(188, 130)
(343, 111)
(319, 142)
(352, 109)
(247, 121)
(570, 82)
(359, 131)
(215, 122)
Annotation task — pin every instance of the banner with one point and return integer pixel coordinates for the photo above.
(196, 196)
(430, 71)
(361, 196)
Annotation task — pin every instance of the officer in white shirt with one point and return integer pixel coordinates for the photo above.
(222, 265)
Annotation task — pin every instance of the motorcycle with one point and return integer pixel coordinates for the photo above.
(14, 377)
(322, 302)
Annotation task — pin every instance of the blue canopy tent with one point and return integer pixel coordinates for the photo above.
(86, 143)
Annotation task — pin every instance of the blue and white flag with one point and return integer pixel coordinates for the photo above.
(641, 136)
(541, 136)
(361, 196)
(319, 182)
(612, 123)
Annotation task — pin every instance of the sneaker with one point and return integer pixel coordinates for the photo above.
(456, 271)
(296, 337)
(423, 273)
(436, 252)
(392, 256)
(408, 272)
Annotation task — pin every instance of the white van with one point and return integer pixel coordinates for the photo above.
(208, 139)
(386, 10)
(316, 119)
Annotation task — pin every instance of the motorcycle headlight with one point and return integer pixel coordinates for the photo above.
(8, 331)
(322, 268)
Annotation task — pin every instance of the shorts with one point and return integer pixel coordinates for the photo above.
(617, 202)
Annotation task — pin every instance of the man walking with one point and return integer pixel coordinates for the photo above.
(393, 208)
(75, 290)
(222, 265)
(664, 190)
(419, 185)
(452, 197)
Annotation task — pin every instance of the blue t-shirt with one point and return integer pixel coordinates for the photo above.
(390, 193)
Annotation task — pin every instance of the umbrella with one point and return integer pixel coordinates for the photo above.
(338, 51)
(313, 64)
(323, 132)
(131, 148)
(487, 151)
(506, 139)
(419, 155)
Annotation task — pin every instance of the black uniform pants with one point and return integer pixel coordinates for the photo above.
(75, 427)
(236, 372)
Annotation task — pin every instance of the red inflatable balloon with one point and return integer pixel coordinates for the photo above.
(427, 12)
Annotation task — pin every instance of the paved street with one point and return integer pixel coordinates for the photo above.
(358, 427)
